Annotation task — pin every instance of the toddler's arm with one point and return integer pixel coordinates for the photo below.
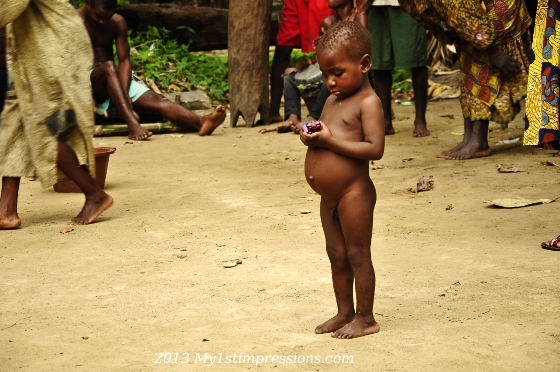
(373, 127)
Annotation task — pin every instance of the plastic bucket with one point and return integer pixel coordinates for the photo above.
(101, 164)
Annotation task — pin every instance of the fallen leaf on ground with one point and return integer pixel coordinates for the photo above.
(449, 207)
(305, 211)
(450, 116)
(406, 160)
(509, 169)
(550, 163)
(232, 263)
(374, 167)
(508, 142)
(425, 183)
(517, 202)
(67, 230)
(457, 133)
(129, 143)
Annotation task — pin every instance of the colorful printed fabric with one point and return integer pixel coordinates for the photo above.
(541, 120)
(479, 25)
(51, 59)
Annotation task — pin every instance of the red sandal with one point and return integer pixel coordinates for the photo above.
(553, 244)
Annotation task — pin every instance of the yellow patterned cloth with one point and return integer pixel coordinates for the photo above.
(479, 24)
(52, 56)
(541, 120)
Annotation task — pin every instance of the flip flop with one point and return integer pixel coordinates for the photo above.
(552, 244)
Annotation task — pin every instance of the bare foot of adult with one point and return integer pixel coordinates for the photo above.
(275, 119)
(285, 127)
(389, 129)
(334, 323)
(469, 151)
(360, 326)
(9, 222)
(420, 130)
(444, 154)
(212, 121)
(137, 133)
(93, 207)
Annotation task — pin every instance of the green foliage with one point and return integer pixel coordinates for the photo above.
(174, 68)
(401, 80)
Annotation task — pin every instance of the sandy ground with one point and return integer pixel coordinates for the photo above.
(461, 286)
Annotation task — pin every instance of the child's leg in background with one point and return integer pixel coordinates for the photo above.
(355, 212)
(341, 271)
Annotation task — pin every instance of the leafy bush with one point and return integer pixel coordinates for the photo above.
(174, 68)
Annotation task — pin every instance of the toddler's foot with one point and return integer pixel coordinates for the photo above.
(93, 207)
(334, 323)
(9, 222)
(212, 121)
(358, 327)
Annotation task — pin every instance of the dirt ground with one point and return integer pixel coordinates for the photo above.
(461, 285)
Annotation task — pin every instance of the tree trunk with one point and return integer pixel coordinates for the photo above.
(248, 59)
(210, 25)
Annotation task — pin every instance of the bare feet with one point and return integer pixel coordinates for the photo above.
(137, 133)
(9, 222)
(275, 119)
(389, 129)
(444, 154)
(288, 126)
(470, 151)
(420, 130)
(212, 121)
(334, 323)
(92, 209)
(358, 327)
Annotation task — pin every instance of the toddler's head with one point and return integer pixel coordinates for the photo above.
(347, 38)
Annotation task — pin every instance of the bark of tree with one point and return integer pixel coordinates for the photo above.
(210, 25)
(248, 59)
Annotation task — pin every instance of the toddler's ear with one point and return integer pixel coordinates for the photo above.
(365, 63)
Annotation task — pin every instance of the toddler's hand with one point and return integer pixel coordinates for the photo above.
(319, 138)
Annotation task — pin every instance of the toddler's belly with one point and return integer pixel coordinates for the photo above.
(330, 174)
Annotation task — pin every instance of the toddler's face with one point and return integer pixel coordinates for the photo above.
(343, 75)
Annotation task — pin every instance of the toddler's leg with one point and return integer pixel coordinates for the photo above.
(342, 276)
(355, 211)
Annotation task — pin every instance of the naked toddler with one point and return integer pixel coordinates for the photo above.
(336, 167)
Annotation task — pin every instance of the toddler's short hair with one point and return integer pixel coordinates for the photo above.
(351, 36)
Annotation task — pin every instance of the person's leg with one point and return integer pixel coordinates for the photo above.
(105, 82)
(410, 51)
(383, 81)
(175, 113)
(355, 211)
(9, 218)
(341, 271)
(97, 200)
(382, 59)
(477, 146)
(280, 62)
(292, 103)
(420, 87)
(467, 133)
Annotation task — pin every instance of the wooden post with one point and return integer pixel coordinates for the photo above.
(248, 41)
